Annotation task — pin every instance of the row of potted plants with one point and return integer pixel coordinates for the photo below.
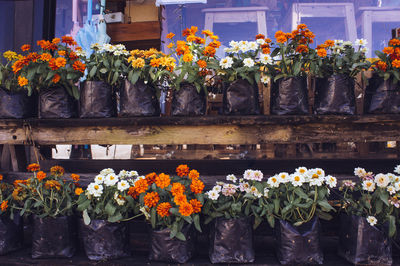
(176, 205)
(192, 70)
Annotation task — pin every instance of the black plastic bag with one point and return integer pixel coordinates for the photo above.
(382, 96)
(335, 95)
(188, 102)
(11, 233)
(55, 102)
(103, 240)
(163, 248)
(138, 99)
(299, 244)
(361, 243)
(54, 237)
(232, 241)
(97, 100)
(241, 98)
(290, 96)
(16, 104)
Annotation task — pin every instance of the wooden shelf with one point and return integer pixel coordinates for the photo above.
(136, 31)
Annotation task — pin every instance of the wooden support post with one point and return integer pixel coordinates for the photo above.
(359, 93)
(266, 97)
(363, 149)
(5, 158)
(311, 93)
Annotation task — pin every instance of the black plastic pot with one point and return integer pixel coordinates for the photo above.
(104, 241)
(241, 98)
(55, 102)
(163, 248)
(335, 95)
(188, 102)
(16, 104)
(11, 234)
(299, 244)
(290, 96)
(54, 237)
(382, 96)
(138, 99)
(97, 100)
(361, 243)
(232, 241)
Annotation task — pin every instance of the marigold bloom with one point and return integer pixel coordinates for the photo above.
(62, 52)
(302, 49)
(186, 32)
(182, 170)
(45, 57)
(169, 46)
(394, 42)
(381, 65)
(138, 63)
(73, 56)
(396, 63)
(197, 186)
(266, 50)
(60, 62)
(141, 186)
(56, 78)
(78, 191)
(55, 41)
(186, 209)
(187, 57)
(57, 170)
(329, 43)
(202, 63)
(199, 40)
(193, 30)
(22, 81)
(68, 40)
(215, 44)
(79, 66)
(193, 174)
(208, 33)
(17, 182)
(19, 194)
(162, 180)
(150, 178)
(163, 209)
(52, 184)
(75, 177)
(25, 47)
(133, 192)
(10, 55)
(41, 175)
(196, 204)
(52, 64)
(180, 199)
(388, 50)
(177, 189)
(209, 51)
(1, 177)
(151, 199)
(322, 52)
(155, 62)
(191, 38)
(301, 26)
(281, 39)
(170, 35)
(4, 205)
(260, 36)
(33, 167)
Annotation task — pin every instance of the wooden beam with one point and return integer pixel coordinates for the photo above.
(137, 31)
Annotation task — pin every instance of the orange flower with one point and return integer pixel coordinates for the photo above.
(396, 63)
(75, 177)
(199, 40)
(301, 26)
(196, 204)
(79, 66)
(268, 40)
(60, 62)
(177, 189)
(302, 49)
(4, 205)
(260, 36)
(155, 62)
(193, 30)
(193, 174)
(56, 78)
(169, 46)
(162, 180)
(207, 33)
(73, 55)
(214, 37)
(45, 57)
(209, 51)
(388, 50)
(329, 43)
(151, 178)
(17, 182)
(170, 35)
(52, 184)
(133, 192)
(215, 44)
(138, 63)
(197, 186)
(281, 39)
(321, 52)
(22, 81)
(52, 64)
(18, 65)
(56, 41)
(266, 50)
(25, 47)
(186, 209)
(62, 52)
(187, 57)
(394, 42)
(381, 65)
(78, 191)
(182, 170)
(41, 175)
(57, 170)
(151, 199)
(202, 63)
(33, 167)
(186, 32)
(141, 186)
(322, 46)
(191, 38)
(163, 209)
(1, 177)
(180, 199)
(68, 40)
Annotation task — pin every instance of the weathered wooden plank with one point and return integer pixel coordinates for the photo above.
(120, 32)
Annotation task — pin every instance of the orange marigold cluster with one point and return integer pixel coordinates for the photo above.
(33, 167)
(162, 180)
(52, 184)
(56, 78)
(163, 209)
(4, 205)
(186, 209)
(78, 191)
(322, 52)
(197, 186)
(75, 177)
(79, 66)
(381, 65)
(196, 204)
(151, 199)
(57, 170)
(68, 40)
(151, 178)
(180, 199)
(141, 186)
(25, 47)
(182, 170)
(202, 63)
(177, 189)
(22, 81)
(396, 63)
(193, 174)
(41, 175)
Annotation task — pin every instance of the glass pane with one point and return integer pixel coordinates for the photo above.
(6, 25)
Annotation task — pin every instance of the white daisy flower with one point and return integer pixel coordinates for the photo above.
(360, 172)
(320, 172)
(255, 192)
(301, 170)
(106, 171)
(80, 53)
(338, 42)
(95, 189)
(120, 201)
(233, 43)
(111, 180)
(99, 179)
(284, 177)
(244, 187)
(314, 178)
(397, 169)
(297, 180)
(125, 52)
(120, 47)
(264, 79)
(257, 175)
(229, 189)
(266, 191)
(243, 46)
(117, 52)
(391, 190)
(123, 174)
(364, 50)
(133, 174)
(331, 181)
(361, 42)
(266, 59)
(227, 50)
(252, 46)
(231, 178)
(260, 41)
(217, 188)
(248, 62)
(347, 43)
(248, 174)
(372, 220)
(397, 186)
(226, 62)
(391, 177)
(123, 185)
(213, 195)
(95, 46)
(273, 181)
(382, 180)
(368, 185)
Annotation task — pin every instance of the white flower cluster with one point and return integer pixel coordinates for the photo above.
(372, 220)
(340, 45)
(242, 46)
(302, 175)
(389, 181)
(118, 49)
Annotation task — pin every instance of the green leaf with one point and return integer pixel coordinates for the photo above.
(181, 236)
(117, 217)
(297, 68)
(93, 71)
(117, 63)
(276, 206)
(50, 75)
(196, 220)
(384, 197)
(84, 205)
(174, 230)
(135, 77)
(106, 63)
(86, 218)
(271, 220)
(153, 217)
(392, 225)
(299, 192)
(103, 70)
(224, 207)
(325, 205)
(110, 209)
(324, 216)
(115, 78)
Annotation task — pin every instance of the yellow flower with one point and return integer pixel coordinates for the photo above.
(10, 55)
(187, 57)
(22, 81)
(138, 63)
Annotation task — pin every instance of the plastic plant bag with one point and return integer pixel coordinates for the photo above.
(16, 104)
(232, 241)
(382, 96)
(163, 248)
(361, 243)
(241, 98)
(334, 95)
(290, 96)
(55, 102)
(97, 100)
(138, 99)
(54, 237)
(11, 234)
(103, 240)
(298, 244)
(188, 102)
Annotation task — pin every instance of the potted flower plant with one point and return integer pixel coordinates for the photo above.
(171, 205)
(50, 199)
(106, 207)
(11, 225)
(231, 205)
(54, 72)
(15, 102)
(383, 93)
(289, 71)
(146, 69)
(335, 65)
(297, 201)
(105, 68)
(370, 211)
(196, 58)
